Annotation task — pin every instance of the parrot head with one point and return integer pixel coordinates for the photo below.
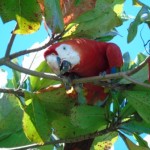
(61, 57)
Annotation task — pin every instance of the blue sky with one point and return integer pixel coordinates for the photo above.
(26, 41)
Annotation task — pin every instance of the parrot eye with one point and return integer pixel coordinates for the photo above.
(64, 48)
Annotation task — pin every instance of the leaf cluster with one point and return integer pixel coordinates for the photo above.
(39, 110)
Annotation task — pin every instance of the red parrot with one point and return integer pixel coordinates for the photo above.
(85, 58)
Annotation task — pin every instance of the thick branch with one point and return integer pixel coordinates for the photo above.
(82, 80)
(112, 76)
(31, 72)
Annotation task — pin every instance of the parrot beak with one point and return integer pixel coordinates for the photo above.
(58, 65)
(65, 67)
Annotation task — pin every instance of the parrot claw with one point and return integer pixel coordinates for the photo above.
(67, 82)
(102, 73)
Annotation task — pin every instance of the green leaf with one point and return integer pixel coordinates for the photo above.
(132, 31)
(105, 141)
(26, 13)
(35, 123)
(115, 103)
(115, 5)
(16, 76)
(53, 15)
(140, 102)
(12, 140)
(10, 115)
(77, 2)
(140, 76)
(103, 19)
(118, 7)
(131, 145)
(136, 126)
(40, 83)
(56, 99)
(47, 147)
(140, 140)
(127, 59)
(136, 3)
(63, 128)
(108, 36)
(127, 111)
(140, 58)
(85, 116)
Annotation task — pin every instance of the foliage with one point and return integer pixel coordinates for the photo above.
(39, 110)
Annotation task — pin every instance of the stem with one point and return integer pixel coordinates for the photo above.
(136, 82)
(138, 1)
(12, 91)
(24, 52)
(9, 46)
(112, 76)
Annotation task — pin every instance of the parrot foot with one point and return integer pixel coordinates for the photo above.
(67, 80)
(103, 73)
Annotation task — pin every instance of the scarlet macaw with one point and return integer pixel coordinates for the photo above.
(85, 58)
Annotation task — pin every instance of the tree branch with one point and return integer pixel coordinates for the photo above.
(9, 46)
(136, 69)
(82, 80)
(139, 2)
(72, 140)
(31, 72)
(24, 52)
(136, 82)
(18, 92)
(112, 76)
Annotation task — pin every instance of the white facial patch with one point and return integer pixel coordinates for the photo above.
(52, 62)
(66, 52)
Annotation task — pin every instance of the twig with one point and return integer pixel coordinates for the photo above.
(136, 69)
(136, 82)
(9, 46)
(144, 44)
(24, 52)
(139, 2)
(12, 91)
(21, 83)
(31, 72)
